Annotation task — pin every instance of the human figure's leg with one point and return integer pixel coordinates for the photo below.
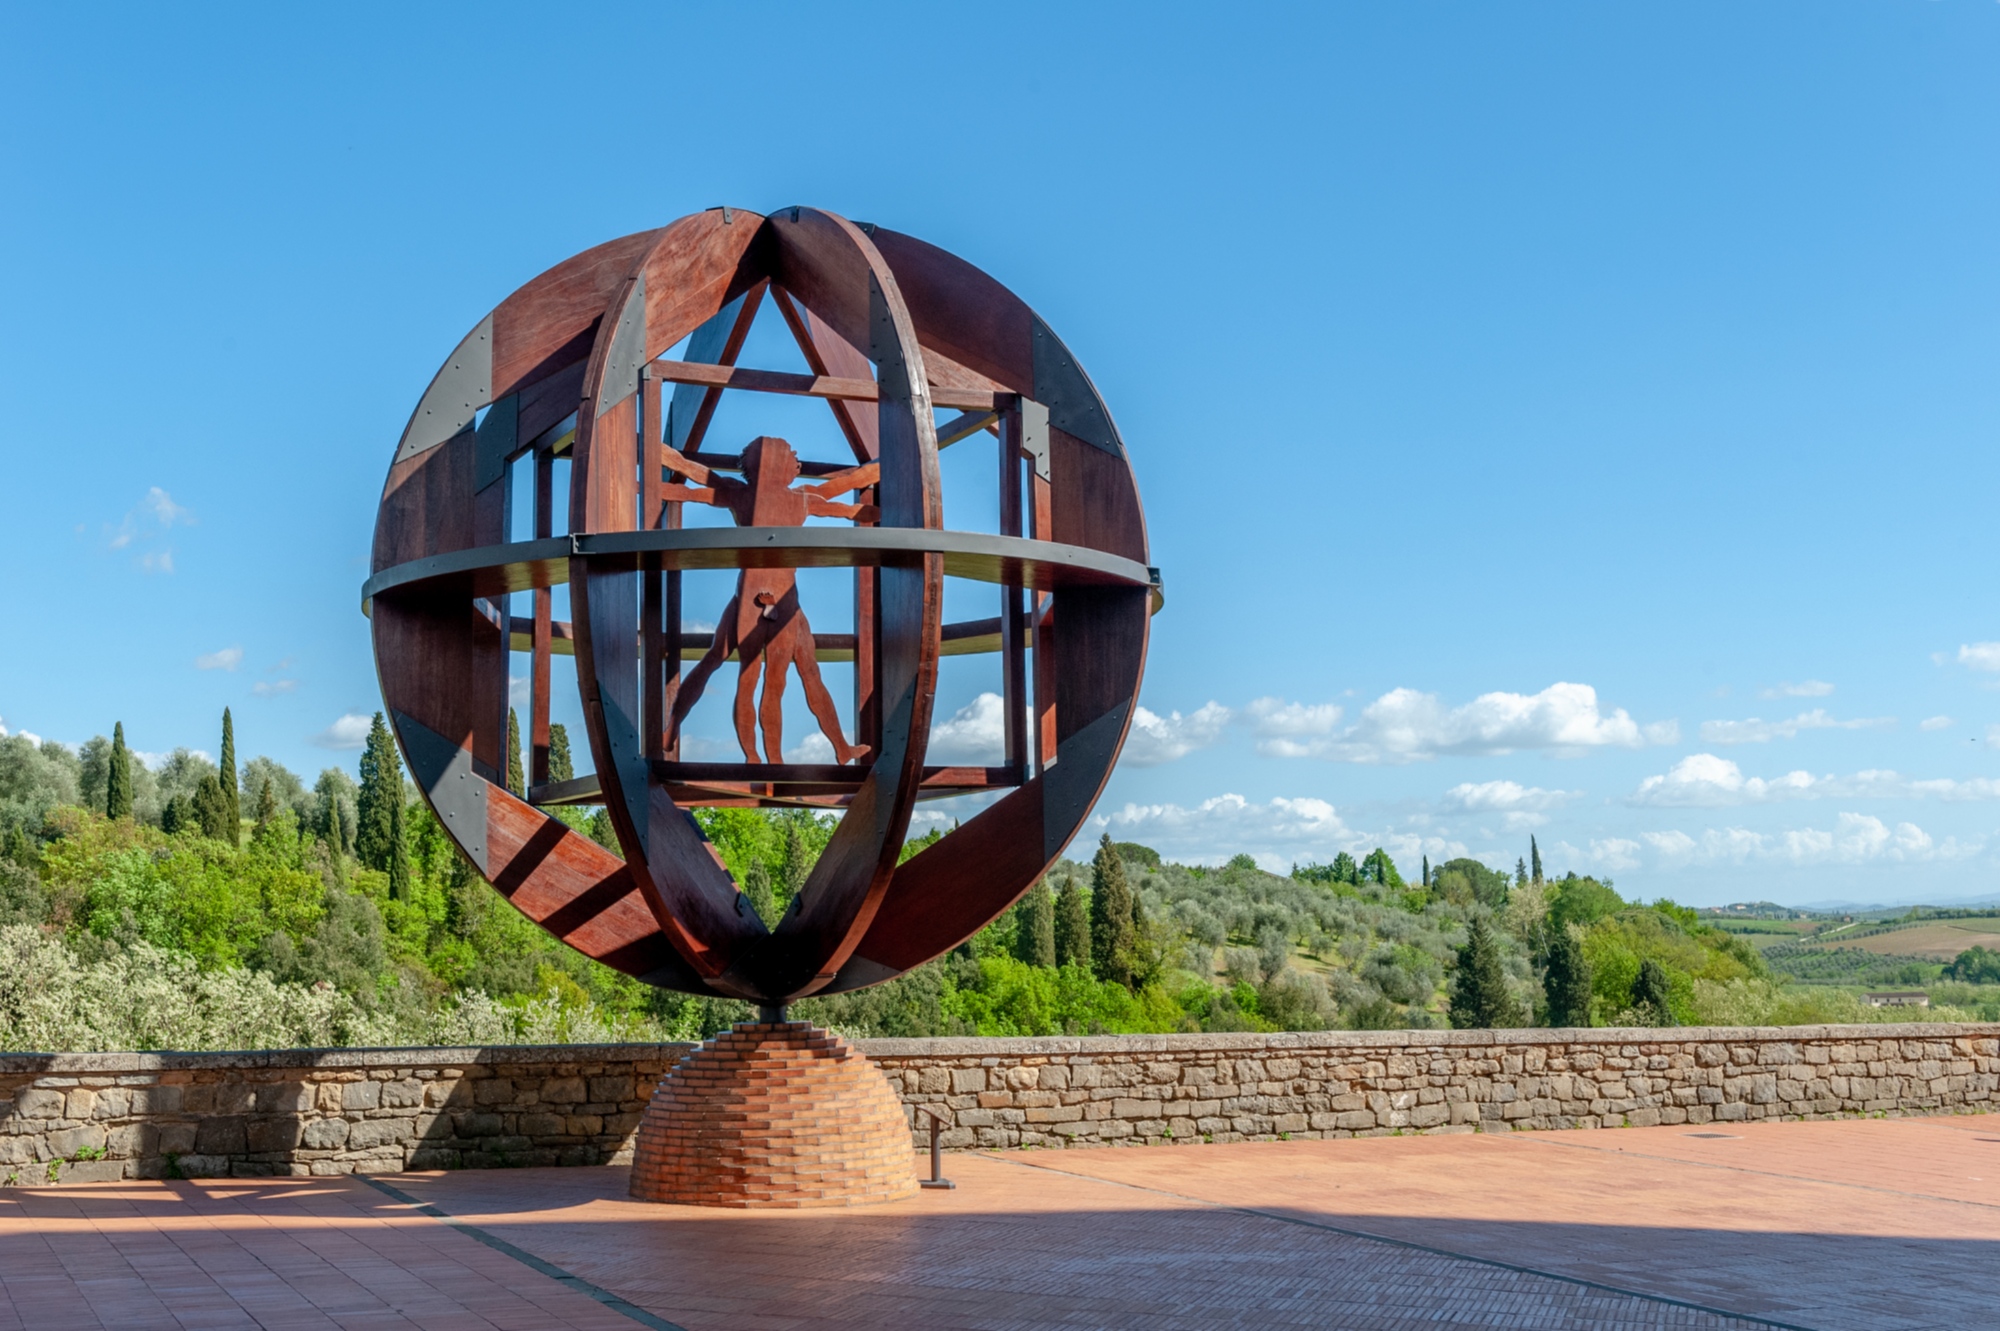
(697, 679)
(746, 688)
(771, 707)
(806, 657)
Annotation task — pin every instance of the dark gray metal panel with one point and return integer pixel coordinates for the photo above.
(1072, 400)
(1070, 784)
(1035, 436)
(499, 438)
(705, 347)
(461, 388)
(456, 791)
(628, 351)
(628, 757)
(859, 973)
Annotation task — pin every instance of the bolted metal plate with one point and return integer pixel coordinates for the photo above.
(1035, 438)
(456, 791)
(628, 351)
(461, 388)
(1073, 403)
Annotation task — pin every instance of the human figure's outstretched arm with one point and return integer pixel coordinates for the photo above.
(840, 482)
(821, 508)
(708, 487)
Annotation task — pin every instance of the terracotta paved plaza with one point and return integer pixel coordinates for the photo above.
(1855, 1224)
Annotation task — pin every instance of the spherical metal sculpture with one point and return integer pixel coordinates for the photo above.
(914, 350)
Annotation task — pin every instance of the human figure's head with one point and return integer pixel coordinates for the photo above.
(772, 455)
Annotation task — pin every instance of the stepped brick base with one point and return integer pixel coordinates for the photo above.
(776, 1114)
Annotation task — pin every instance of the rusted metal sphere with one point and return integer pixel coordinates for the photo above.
(609, 366)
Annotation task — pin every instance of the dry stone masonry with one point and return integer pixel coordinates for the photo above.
(110, 1116)
(343, 1111)
(1158, 1089)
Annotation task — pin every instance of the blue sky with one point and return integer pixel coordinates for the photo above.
(1567, 420)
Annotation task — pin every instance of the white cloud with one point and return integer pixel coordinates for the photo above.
(349, 732)
(1757, 731)
(27, 735)
(1156, 739)
(1404, 725)
(1276, 717)
(814, 748)
(1613, 854)
(154, 515)
(163, 510)
(1936, 723)
(975, 734)
(1276, 834)
(1979, 655)
(227, 659)
(1504, 796)
(1856, 838)
(1705, 781)
(1520, 807)
(1810, 688)
(271, 688)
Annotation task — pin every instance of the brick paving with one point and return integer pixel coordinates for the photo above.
(1835, 1225)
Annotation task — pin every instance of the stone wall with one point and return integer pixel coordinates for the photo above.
(109, 1116)
(340, 1111)
(1158, 1089)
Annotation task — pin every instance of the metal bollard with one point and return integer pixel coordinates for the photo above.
(937, 1178)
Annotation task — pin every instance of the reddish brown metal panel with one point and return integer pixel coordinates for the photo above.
(962, 312)
(535, 329)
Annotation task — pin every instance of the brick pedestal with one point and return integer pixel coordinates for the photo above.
(774, 1114)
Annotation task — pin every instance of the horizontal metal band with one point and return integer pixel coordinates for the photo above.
(519, 566)
(776, 778)
(966, 637)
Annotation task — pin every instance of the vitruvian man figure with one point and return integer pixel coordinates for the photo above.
(763, 625)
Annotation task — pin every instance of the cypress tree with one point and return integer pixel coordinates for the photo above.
(517, 780)
(1035, 927)
(1112, 934)
(226, 775)
(1649, 994)
(795, 864)
(399, 853)
(177, 815)
(211, 808)
(1072, 926)
(1535, 859)
(560, 766)
(757, 887)
(1427, 871)
(118, 785)
(267, 804)
(379, 804)
(1520, 873)
(1567, 982)
(1479, 996)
